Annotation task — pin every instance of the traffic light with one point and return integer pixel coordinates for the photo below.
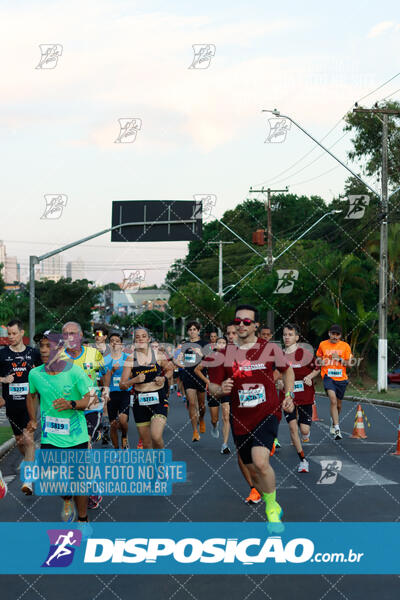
(258, 237)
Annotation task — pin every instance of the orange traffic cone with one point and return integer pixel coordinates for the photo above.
(359, 429)
(397, 453)
(314, 413)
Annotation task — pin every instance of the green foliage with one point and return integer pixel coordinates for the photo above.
(367, 142)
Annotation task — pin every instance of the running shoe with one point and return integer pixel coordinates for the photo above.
(196, 436)
(254, 497)
(124, 443)
(274, 516)
(305, 440)
(27, 488)
(202, 426)
(277, 444)
(94, 502)
(214, 430)
(303, 467)
(332, 428)
(274, 513)
(225, 449)
(3, 487)
(140, 444)
(68, 513)
(338, 435)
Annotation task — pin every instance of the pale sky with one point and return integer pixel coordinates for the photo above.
(202, 129)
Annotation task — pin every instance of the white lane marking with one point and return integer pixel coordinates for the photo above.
(359, 476)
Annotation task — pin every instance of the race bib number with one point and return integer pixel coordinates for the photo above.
(190, 358)
(253, 397)
(18, 389)
(57, 425)
(148, 398)
(335, 372)
(116, 381)
(298, 386)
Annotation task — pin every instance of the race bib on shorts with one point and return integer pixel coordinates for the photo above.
(116, 381)
(298, 386)
(148, 398)
(18, 389)
(253, 397)
(57, 425)
(190, 358)
(335, 372)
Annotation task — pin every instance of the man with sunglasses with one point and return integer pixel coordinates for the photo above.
(247, 376)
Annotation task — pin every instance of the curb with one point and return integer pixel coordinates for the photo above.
(367, 400)
(6, 446)
(373, 401)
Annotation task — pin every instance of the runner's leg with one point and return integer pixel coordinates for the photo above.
(157, 426)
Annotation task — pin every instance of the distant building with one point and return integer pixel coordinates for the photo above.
(9, 270)
(76, 269)
(52, 268)
(126, 302)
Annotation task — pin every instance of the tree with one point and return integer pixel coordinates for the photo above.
(367, 142)
(65, 300)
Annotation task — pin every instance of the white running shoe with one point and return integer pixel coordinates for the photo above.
(225, 449)
(338, 435)
(27, 488)
(215, 431)
(331, 428)
(303, 467)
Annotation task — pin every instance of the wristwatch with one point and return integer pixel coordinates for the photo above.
(290, 394)
(73, 404)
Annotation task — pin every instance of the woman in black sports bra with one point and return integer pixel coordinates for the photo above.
(148, 371)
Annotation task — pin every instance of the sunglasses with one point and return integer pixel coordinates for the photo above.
(245, 322)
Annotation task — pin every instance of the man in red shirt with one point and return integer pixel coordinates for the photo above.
(247, 377)
(305, 369)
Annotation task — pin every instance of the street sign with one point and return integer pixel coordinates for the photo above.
(157, 220)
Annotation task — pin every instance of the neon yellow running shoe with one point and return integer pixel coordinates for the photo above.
(274, 515)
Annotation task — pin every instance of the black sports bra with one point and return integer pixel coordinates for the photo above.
(151, 370)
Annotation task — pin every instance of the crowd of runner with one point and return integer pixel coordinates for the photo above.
(76, 394)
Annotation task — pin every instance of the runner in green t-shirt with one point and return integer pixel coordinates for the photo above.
(63, 392)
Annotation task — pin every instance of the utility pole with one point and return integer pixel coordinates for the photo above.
(220, 273)
(382, 342)
(383, 247)
(270, 260)
(268, 191)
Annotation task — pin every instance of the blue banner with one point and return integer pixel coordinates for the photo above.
(201, 548)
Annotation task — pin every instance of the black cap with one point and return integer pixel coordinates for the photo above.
(335, 329)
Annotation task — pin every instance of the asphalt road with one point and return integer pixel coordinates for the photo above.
(362, 483)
